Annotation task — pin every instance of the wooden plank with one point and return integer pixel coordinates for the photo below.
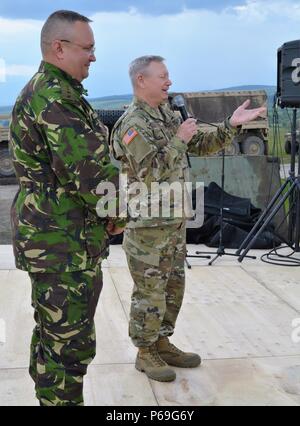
(113, 343)
(124, 285)
(280, 280)
(262, 381)
(117, 385)
(231, 315)
(17, 388)
(7, 259)
(15, 309)
(237, 316)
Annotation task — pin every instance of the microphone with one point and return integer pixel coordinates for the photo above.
(179, 104)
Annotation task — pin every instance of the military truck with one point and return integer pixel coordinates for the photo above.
(214, 107)
(211, 107)
(6, 165)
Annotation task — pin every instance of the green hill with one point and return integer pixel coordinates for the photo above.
(271, 90)
(111, 102)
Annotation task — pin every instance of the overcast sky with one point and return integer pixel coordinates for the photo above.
(207, 44)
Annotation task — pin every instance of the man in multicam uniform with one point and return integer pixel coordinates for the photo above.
(151, 144)
(60, 154)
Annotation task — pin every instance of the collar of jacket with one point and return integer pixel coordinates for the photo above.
(159, 113)
(47, 68)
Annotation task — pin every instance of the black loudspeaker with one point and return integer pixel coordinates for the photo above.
(288, 74)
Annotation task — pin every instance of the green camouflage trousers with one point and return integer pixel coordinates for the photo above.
(63, 341)
(155, 258)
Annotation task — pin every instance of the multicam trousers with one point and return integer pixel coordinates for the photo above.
(63, 341)
(155, 258)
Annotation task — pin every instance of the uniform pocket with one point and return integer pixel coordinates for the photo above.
(145, 244)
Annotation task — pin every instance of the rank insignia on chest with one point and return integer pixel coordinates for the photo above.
(129, 136)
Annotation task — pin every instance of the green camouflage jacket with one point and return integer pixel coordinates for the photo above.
(60, 155)
(144, 140)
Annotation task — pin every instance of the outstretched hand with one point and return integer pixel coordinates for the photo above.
(242, 115)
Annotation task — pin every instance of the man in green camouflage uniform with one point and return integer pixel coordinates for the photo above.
(151, 144)
(60, 154)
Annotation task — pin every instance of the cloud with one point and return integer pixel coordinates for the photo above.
(262, 11)
(7, 71)
(20, 70)
(204, 49)
(2, 71)
(19, 40)
(28, 9)
(17, 27)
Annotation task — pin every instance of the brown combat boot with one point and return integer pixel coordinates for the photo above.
(149, 361)
(174, 356)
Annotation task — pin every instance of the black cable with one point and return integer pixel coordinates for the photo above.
(283, 260)
(206, 122)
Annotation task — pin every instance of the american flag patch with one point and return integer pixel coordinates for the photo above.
(129, 136)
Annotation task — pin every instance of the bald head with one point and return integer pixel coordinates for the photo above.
(59, 26)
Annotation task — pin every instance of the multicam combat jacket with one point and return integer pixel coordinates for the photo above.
(144, 140)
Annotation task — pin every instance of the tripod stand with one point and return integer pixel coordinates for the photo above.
(221, 249)
(293, 193)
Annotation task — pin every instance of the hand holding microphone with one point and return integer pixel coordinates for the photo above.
(188, 128)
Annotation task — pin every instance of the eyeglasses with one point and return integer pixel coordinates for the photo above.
(89, 50)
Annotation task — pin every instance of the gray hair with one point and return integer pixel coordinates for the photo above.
(57, 25)
(139, 65)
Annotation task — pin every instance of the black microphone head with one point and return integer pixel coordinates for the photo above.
(178, 101)
(179, 104)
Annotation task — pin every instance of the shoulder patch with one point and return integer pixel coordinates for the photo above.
(129, 136)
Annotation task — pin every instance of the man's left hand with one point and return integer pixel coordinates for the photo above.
(242, 115)
(113, 229)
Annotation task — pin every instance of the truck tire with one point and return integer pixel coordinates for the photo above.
(288, 146)
(233, 148)
(253, 145)
(6, 164)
